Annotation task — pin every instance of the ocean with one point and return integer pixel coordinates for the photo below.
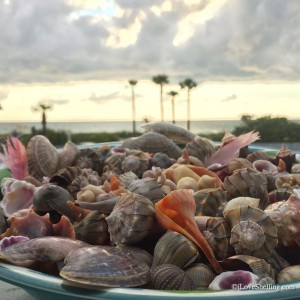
(211, 126)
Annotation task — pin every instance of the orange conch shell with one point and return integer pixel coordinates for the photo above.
(176, 211)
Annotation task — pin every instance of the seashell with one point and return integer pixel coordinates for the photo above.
(67, 155)
(176, 211)
(241, 201)
(131, 219)
(201, 148)
(206, 182)
(8, 241)
(96, 190)
(31, 225)
(279, 195)
(189, 159)
(289, 274)
(147, 187)
(210, 202)
(288, 156)
(187, 183)
(174, 173)
(3, 224)
(92, 229)
(238, 163)
(64, 228)
(113, 162)
(104, 151)
(216, 231)
(257, 155)
(104, 266)
(79, 212)
(265, 166)
(138, 164)
(19, 195)
(65, 176)
(161, 160)
(52, 197)
(247, 182)
(277, 262)
(88, 159)
(295, 168)
(285, 215)
(43, 159)
(127, 178)
(174, 248)
(48, 249)
(138, 253)
(253, 232)
(291, 181)
(253, 264)
(201, 275)
(234, 280)
(32, 181)
(171, 131)
(153, 142)
(170, 277)
(86, 196)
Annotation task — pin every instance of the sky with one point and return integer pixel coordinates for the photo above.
(78, 55)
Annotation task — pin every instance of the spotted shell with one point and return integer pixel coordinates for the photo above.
(43, 158)
(253, 232)
(131, 219)
(170, 277)
(174, 248)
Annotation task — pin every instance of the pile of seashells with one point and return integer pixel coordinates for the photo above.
(167, 210)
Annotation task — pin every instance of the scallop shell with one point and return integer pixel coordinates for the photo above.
(104, 266)
(43, 158)
(253, 232)
(153, 142)
(170, 277)
(174, 248)
(131, 219)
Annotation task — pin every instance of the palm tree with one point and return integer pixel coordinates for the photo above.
(133, 84)
(43, 108)
(173, 94)
(161, 80)
(189, 84)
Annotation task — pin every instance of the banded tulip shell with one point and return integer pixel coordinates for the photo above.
(176, 211)
(131, 219)
(289, 274)
(174, 248)
(216, 231)
(201, 275)
(258, 266)
(253, 232)
(104, 266)
(170, 277)
(210, 202)
(247, 182)
(43, 158)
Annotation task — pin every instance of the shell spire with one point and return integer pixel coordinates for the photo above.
(176, 211)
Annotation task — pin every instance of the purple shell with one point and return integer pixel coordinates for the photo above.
(11, 240)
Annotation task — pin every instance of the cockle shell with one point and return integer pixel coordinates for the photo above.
(201, 275)
(253, 264)
(43, 159)
(170, 277)
(174, 248)
(247, 182)
(153, 142)
(105, 266)
(253, 232)
(131, 219)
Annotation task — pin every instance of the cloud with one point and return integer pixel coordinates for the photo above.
(103, 98)
(216, 40)
(229, 98)
(58, 101)
(3, 95)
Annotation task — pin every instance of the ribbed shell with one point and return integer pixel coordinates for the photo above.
(202, 148)
(104, 266)
(253, 264)
(201, 275)
(131, 219)
(253, 232)
(42, 157)
(170, 277)
(210, 202)
(153, 142)
(247, 182)
(174, 248)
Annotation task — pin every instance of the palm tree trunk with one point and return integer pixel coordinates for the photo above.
(173, 109)
(133, 109)
(161, 103)
(44, 123)
(188, 109)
